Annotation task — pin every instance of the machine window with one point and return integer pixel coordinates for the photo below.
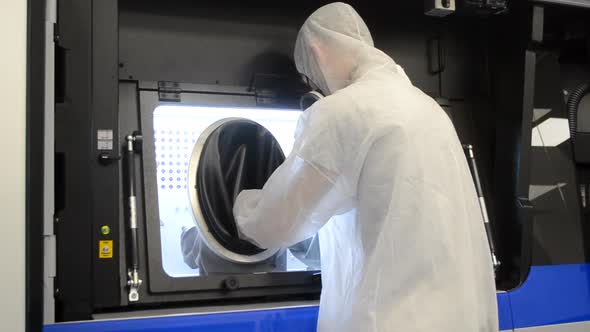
(184, 253)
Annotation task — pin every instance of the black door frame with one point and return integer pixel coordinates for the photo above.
(35, 103)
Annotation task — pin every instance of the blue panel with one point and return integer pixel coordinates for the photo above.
(552, 295)
(292, 319)
(284, 320)
(504, 312)
(287, 320)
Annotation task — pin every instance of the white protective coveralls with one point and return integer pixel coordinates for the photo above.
(378, 169)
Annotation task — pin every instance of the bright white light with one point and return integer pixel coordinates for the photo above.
(281, 123)
(550, 132)
(176, 130)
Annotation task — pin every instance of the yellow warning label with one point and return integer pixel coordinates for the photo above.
(105, 249)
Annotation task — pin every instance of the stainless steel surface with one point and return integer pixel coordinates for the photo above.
(134, 282)
(130, 140)
(484, 210)
(198, 217)
(132, 212)
(133, 295)
(469, 147)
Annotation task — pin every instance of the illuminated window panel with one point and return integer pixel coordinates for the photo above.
(176, 130)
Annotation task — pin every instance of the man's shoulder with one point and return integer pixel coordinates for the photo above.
(334, 108)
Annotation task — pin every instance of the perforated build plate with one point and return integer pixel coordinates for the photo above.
(231, 155)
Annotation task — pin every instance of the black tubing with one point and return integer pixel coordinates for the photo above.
(573, 102)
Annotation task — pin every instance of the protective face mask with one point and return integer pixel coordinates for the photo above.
(312, 86)
(309, 99)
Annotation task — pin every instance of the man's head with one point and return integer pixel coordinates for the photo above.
(330, 45)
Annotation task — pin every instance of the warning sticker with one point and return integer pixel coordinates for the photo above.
(105, 249)
(104, 134)
(104, 139)
(105, 145)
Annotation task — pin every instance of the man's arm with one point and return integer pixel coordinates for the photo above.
(294, 204)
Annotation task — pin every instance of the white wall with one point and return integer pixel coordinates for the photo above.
(13, 26)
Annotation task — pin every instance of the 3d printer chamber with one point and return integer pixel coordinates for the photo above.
(231, 155)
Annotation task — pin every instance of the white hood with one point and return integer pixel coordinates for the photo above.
(334, 48)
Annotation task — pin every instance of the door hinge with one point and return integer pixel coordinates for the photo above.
(169, 91)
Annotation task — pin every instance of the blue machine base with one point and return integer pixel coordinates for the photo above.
(551, 295)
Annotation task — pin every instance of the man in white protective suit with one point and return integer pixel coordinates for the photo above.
(377, 168)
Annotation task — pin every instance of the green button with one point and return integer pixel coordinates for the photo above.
(105, 230)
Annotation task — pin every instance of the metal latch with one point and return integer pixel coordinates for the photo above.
(169, 91)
